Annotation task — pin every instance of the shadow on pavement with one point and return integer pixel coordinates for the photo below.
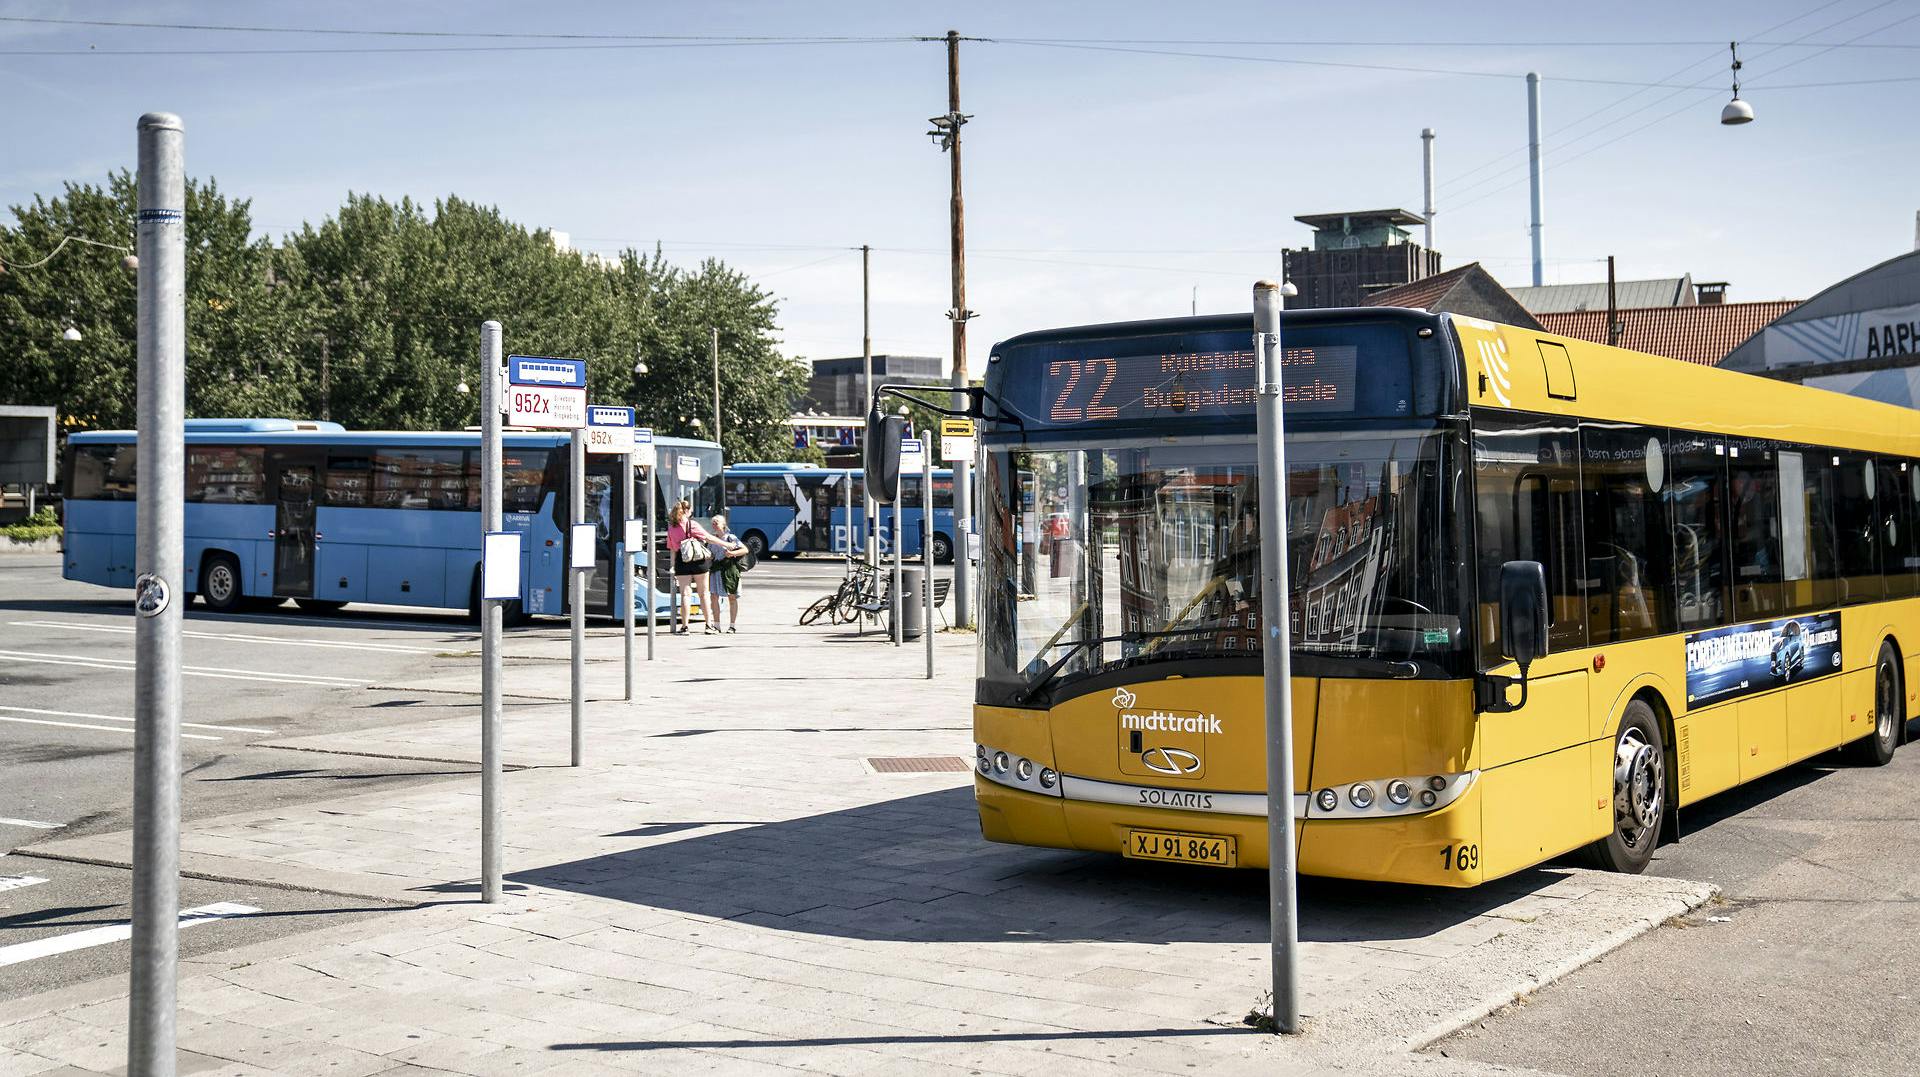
(873, 1041)
(915, 869)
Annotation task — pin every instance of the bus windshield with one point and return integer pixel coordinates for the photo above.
(1137, 551)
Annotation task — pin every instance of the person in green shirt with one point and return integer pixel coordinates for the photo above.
(730, 557)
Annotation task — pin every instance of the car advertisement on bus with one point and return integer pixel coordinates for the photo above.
(1727, 663)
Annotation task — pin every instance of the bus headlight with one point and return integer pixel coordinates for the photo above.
(999, 762)
(1048, 777)
(1024, 769)
(1378, 798)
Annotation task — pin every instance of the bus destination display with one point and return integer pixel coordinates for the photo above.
(1317, 380)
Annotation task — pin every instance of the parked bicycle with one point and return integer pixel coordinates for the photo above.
(857, 596)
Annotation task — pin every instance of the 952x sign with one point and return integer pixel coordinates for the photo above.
(546, 406)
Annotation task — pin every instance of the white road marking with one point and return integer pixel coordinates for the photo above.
(100, 936)
(117, 718)
(232, 637)
(31, 824)
(218, 672)
(19, 882)
(128, 730)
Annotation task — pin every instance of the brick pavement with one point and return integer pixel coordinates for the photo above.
(726, 887)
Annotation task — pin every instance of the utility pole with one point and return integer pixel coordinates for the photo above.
(1426, 160)
(1533, 161)
(159, 594)
(946, 133)
(326, 376)
(1613, 309)
(714, 350)
(866, 355)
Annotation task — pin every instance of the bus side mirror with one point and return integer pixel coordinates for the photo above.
(882, 455)
(1523, 612)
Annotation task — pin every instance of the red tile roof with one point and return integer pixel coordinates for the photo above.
(1702, 334)
(1423, 293)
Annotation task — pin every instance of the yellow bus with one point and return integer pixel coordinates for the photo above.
(1728, 569)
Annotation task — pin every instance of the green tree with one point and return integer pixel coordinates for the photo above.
(239, 359)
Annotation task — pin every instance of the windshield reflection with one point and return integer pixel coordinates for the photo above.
(1103, 557)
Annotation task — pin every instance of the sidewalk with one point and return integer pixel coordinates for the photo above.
(729, 885)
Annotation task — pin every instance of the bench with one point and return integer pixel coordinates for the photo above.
(884, 603)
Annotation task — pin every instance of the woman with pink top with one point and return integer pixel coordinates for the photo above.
(691, 564)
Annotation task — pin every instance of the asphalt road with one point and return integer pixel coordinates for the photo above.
(66, 741)
(1807, 967)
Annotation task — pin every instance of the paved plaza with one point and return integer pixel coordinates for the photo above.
(731, 884)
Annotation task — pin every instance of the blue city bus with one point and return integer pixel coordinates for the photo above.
(307, 510)
(790, 509)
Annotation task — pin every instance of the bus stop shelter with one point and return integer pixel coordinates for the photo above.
(26, 453)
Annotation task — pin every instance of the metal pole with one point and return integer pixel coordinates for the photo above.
(962, 471)
(899, 573)
(159, 595)
(714, 350)
(866, 354)
(926, 547)
(653, 563)
(1276, 654)
(1533, 162)
(492, 616)
(1426, 159)
(625, 590)
(577, 586)
(1613, 309)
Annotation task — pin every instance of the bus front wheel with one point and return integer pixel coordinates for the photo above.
(1889, 713)
(756, 544)
(942, 549)
(1639, 793)
(220, 583)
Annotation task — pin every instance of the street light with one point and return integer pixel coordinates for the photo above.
(462, 389)
(1736, 111)
(70, 334)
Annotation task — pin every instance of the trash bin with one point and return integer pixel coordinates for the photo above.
(912, 603)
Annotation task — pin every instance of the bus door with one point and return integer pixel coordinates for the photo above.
(294, 485)
(604, 511)
(812, 512)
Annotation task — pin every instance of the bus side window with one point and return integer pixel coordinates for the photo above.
(1754, 528)
(1527, 508)
(349, 478)
(1809, 570)
(1696, 491)
(101, 473)
(1856, 528)
(1622, 473)
(1899, 552)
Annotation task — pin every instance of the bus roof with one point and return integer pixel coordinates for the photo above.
(317, 432)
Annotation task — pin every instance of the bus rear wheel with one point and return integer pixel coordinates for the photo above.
(1889, 713)
(220, 583)
(1639, 794)
(942, 549)
(756, 544)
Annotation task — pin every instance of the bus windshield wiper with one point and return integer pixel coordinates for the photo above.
(1053, 670)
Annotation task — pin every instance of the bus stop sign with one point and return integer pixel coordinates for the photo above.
(546, 392)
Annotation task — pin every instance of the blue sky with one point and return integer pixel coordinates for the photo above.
(1100, 184)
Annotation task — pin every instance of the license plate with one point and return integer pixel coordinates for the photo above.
(1181, 848)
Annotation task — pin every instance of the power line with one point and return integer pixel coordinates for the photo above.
(419, 49)
(777, 38)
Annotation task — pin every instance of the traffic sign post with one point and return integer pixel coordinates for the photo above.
(551, 393)
(610, 430)
(645, 456)
(926, 554)
(494, 594)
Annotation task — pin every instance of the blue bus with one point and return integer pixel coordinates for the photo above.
(307, 510)
(790, 509)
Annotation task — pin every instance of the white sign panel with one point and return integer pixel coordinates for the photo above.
(644, 454)
(500, 565)
(954, 450)
(546, 406)
(617, 440)
(634, 535)
(912, 452)
(687, 468)
(581, 542)
(1860, 334)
